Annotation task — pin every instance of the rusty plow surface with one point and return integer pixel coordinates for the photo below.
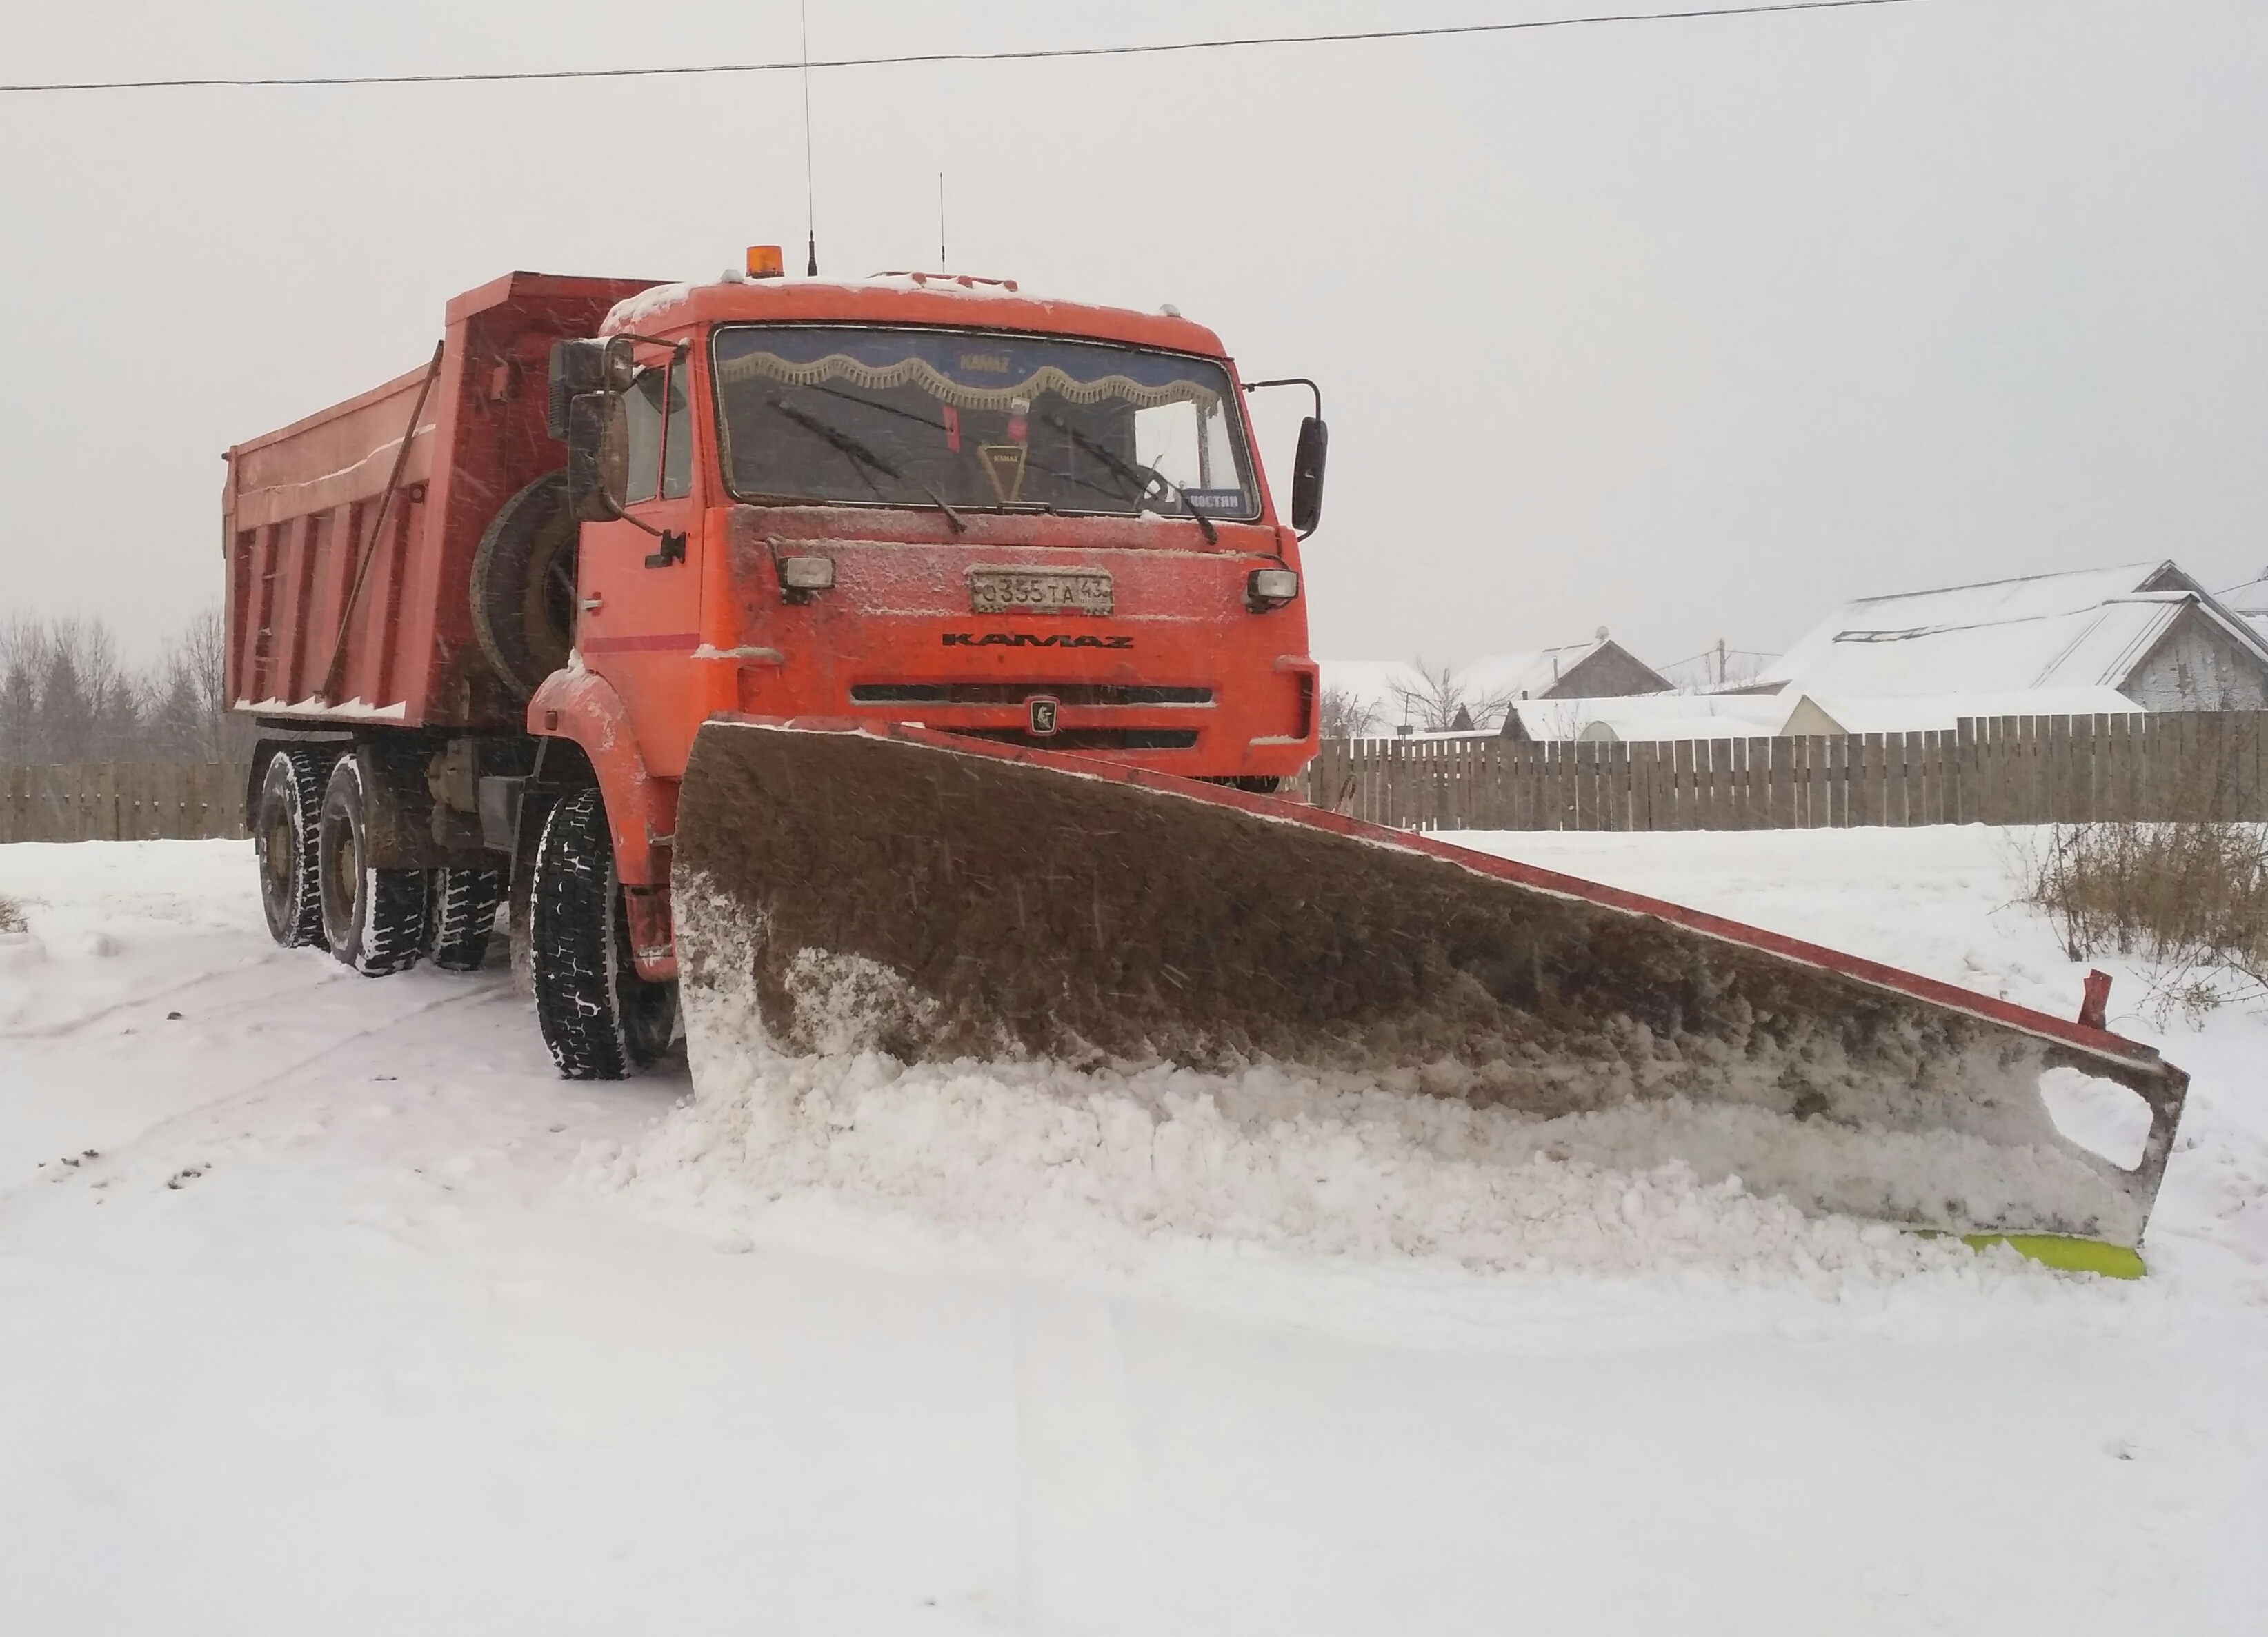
(848, 887)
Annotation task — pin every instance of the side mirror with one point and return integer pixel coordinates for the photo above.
(581, 366)
(1308, 476)
(598, 456)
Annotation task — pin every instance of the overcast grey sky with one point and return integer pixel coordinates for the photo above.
(1689, 330)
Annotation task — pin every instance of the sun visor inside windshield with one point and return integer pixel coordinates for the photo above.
(969, 371)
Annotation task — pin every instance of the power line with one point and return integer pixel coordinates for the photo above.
(1036, 54)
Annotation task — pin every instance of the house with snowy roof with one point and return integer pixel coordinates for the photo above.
(1600, 669)
(1397, 695)
(2144, 636)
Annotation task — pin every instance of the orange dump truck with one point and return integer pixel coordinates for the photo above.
(912, 664)
(481, 611)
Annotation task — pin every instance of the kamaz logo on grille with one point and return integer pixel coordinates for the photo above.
(1031, 639)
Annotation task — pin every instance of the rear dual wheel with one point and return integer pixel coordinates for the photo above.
(462, 909)
(374, 919)
(310, 839)
(284, 822)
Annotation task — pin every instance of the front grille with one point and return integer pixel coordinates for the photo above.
(1089, 738)
(1016, 693)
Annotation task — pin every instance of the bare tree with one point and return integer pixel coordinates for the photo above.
(1436, 702)
(1343, 714)
(190, 718)
(23, 661)
(66, 695)
(90, 704)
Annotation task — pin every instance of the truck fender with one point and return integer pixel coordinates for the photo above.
(582, 706)
(641, 810)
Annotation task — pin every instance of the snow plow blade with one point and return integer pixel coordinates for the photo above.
(847, 886)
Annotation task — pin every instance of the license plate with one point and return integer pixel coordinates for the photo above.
(1038, 591)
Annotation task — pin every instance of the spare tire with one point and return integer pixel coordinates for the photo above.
(524, 584)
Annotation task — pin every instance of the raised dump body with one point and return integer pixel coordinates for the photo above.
(350, 564)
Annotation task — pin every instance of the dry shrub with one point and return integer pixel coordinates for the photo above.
(12, 916)
(2191, 900)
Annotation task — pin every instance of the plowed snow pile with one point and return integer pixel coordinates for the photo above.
(1055, 1165)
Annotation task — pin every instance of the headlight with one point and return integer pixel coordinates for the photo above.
(1272, 588)
(808, 573)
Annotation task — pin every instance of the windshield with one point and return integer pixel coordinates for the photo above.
(977, 421)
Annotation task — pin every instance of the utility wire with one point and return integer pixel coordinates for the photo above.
(1036, 54)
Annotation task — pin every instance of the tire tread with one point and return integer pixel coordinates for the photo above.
(464, 904)
(304, 925)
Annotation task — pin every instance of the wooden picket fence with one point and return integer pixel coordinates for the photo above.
(2154, 768)
(2150, 768)
(120, 801)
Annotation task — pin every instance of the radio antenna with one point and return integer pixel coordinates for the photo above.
(810, 193)
(940, 221)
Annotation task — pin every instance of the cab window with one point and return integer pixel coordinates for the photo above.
(660, 425)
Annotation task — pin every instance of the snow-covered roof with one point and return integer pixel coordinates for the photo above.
(1921, 714)
(1500, 678)
(2085, 630)
(1656, 716)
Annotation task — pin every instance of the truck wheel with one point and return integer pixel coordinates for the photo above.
(524, 584)
(600, 1018)
(373, 920)
(464, 909)
(283, 841)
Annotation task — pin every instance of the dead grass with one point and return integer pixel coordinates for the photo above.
(11, 915)
(2190, 900)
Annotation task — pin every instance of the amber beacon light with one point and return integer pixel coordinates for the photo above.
(765, 262)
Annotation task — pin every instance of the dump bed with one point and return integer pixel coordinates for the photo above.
(348, 604)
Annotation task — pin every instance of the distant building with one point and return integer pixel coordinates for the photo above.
(1646, 717)
(1390, 696)
(2146, 632)
(1810, 714)
(1599, 669)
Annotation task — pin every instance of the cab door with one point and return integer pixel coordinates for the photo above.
(640, 574)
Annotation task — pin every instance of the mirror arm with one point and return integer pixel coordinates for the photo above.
(1292, 380)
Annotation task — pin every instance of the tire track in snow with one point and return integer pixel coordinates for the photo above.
(69, 1027)
(259, 1090)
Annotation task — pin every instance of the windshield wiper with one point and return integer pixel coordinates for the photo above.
(858, 452)
(1147, 477)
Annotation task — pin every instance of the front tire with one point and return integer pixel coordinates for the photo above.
(373, 920)
(600, 1018)
(284, 829)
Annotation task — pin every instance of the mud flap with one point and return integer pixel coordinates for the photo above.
(852, 885)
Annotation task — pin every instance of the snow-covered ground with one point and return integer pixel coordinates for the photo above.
(324, 1306)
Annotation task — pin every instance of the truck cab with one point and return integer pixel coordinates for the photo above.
(933, 499)
(916, 498)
